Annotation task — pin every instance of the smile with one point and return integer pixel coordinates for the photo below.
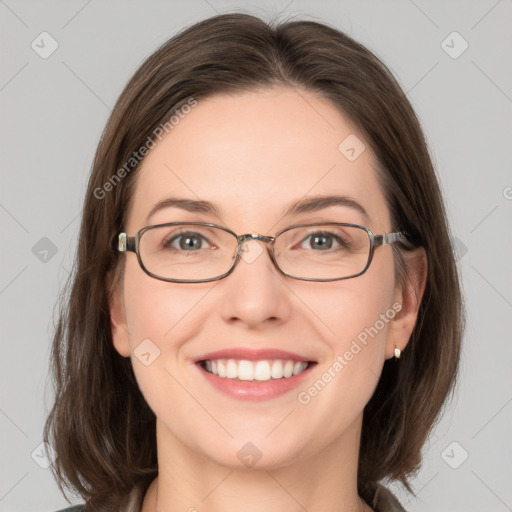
(263, 370)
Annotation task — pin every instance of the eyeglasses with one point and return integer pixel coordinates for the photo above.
(196, 252)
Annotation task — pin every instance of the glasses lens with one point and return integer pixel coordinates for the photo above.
(187, 252)
(322, 252)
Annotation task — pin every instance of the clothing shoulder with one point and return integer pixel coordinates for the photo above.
(386, 501)
(134, 503)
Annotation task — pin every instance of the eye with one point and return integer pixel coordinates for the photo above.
(189, 242)
(323, 241)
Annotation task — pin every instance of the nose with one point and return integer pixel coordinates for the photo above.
(255, 293)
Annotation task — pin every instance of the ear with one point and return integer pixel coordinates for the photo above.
(408, 296)
(119, 329)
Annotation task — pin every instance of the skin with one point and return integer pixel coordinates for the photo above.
(266, 149)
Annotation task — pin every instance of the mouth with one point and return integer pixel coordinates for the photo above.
(252, 374)
(254, 370)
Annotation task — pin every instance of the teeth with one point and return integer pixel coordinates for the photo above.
(254, 370)
(262, 370)
(231, 369)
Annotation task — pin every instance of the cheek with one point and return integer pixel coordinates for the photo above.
(353, 319)
(156, 309)
(349, 308)
(157, 315)
(346, 380)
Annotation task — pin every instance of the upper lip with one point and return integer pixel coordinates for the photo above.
(252, 355)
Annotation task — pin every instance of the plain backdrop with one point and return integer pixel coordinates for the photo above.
(63, 65)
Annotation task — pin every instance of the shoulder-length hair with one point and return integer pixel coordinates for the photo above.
(100, 425)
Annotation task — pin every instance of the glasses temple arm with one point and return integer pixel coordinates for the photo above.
(126, 243)
(391, 238)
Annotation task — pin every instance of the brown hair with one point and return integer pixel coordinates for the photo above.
(100, 425)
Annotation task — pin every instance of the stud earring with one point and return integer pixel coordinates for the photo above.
(397, 352)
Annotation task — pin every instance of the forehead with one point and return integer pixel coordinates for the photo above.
(252, 154)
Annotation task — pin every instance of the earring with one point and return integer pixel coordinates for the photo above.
(397, 352)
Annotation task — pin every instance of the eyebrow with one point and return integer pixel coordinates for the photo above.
(306, 205)
(189, 205)
(316, 203)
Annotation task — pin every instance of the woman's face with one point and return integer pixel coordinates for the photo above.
(253, 156)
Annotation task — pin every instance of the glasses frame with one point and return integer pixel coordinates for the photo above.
(131, 244)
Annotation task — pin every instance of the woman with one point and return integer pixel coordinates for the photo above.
(265, 312)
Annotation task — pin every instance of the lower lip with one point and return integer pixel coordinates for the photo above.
(255, 390)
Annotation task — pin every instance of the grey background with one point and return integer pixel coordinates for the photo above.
(54, 109)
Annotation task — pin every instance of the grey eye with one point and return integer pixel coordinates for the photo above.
(186, 242)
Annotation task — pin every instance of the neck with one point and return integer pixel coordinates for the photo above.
(190, 481)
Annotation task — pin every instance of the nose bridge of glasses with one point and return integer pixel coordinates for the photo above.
(255, 236)
(268, 240)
